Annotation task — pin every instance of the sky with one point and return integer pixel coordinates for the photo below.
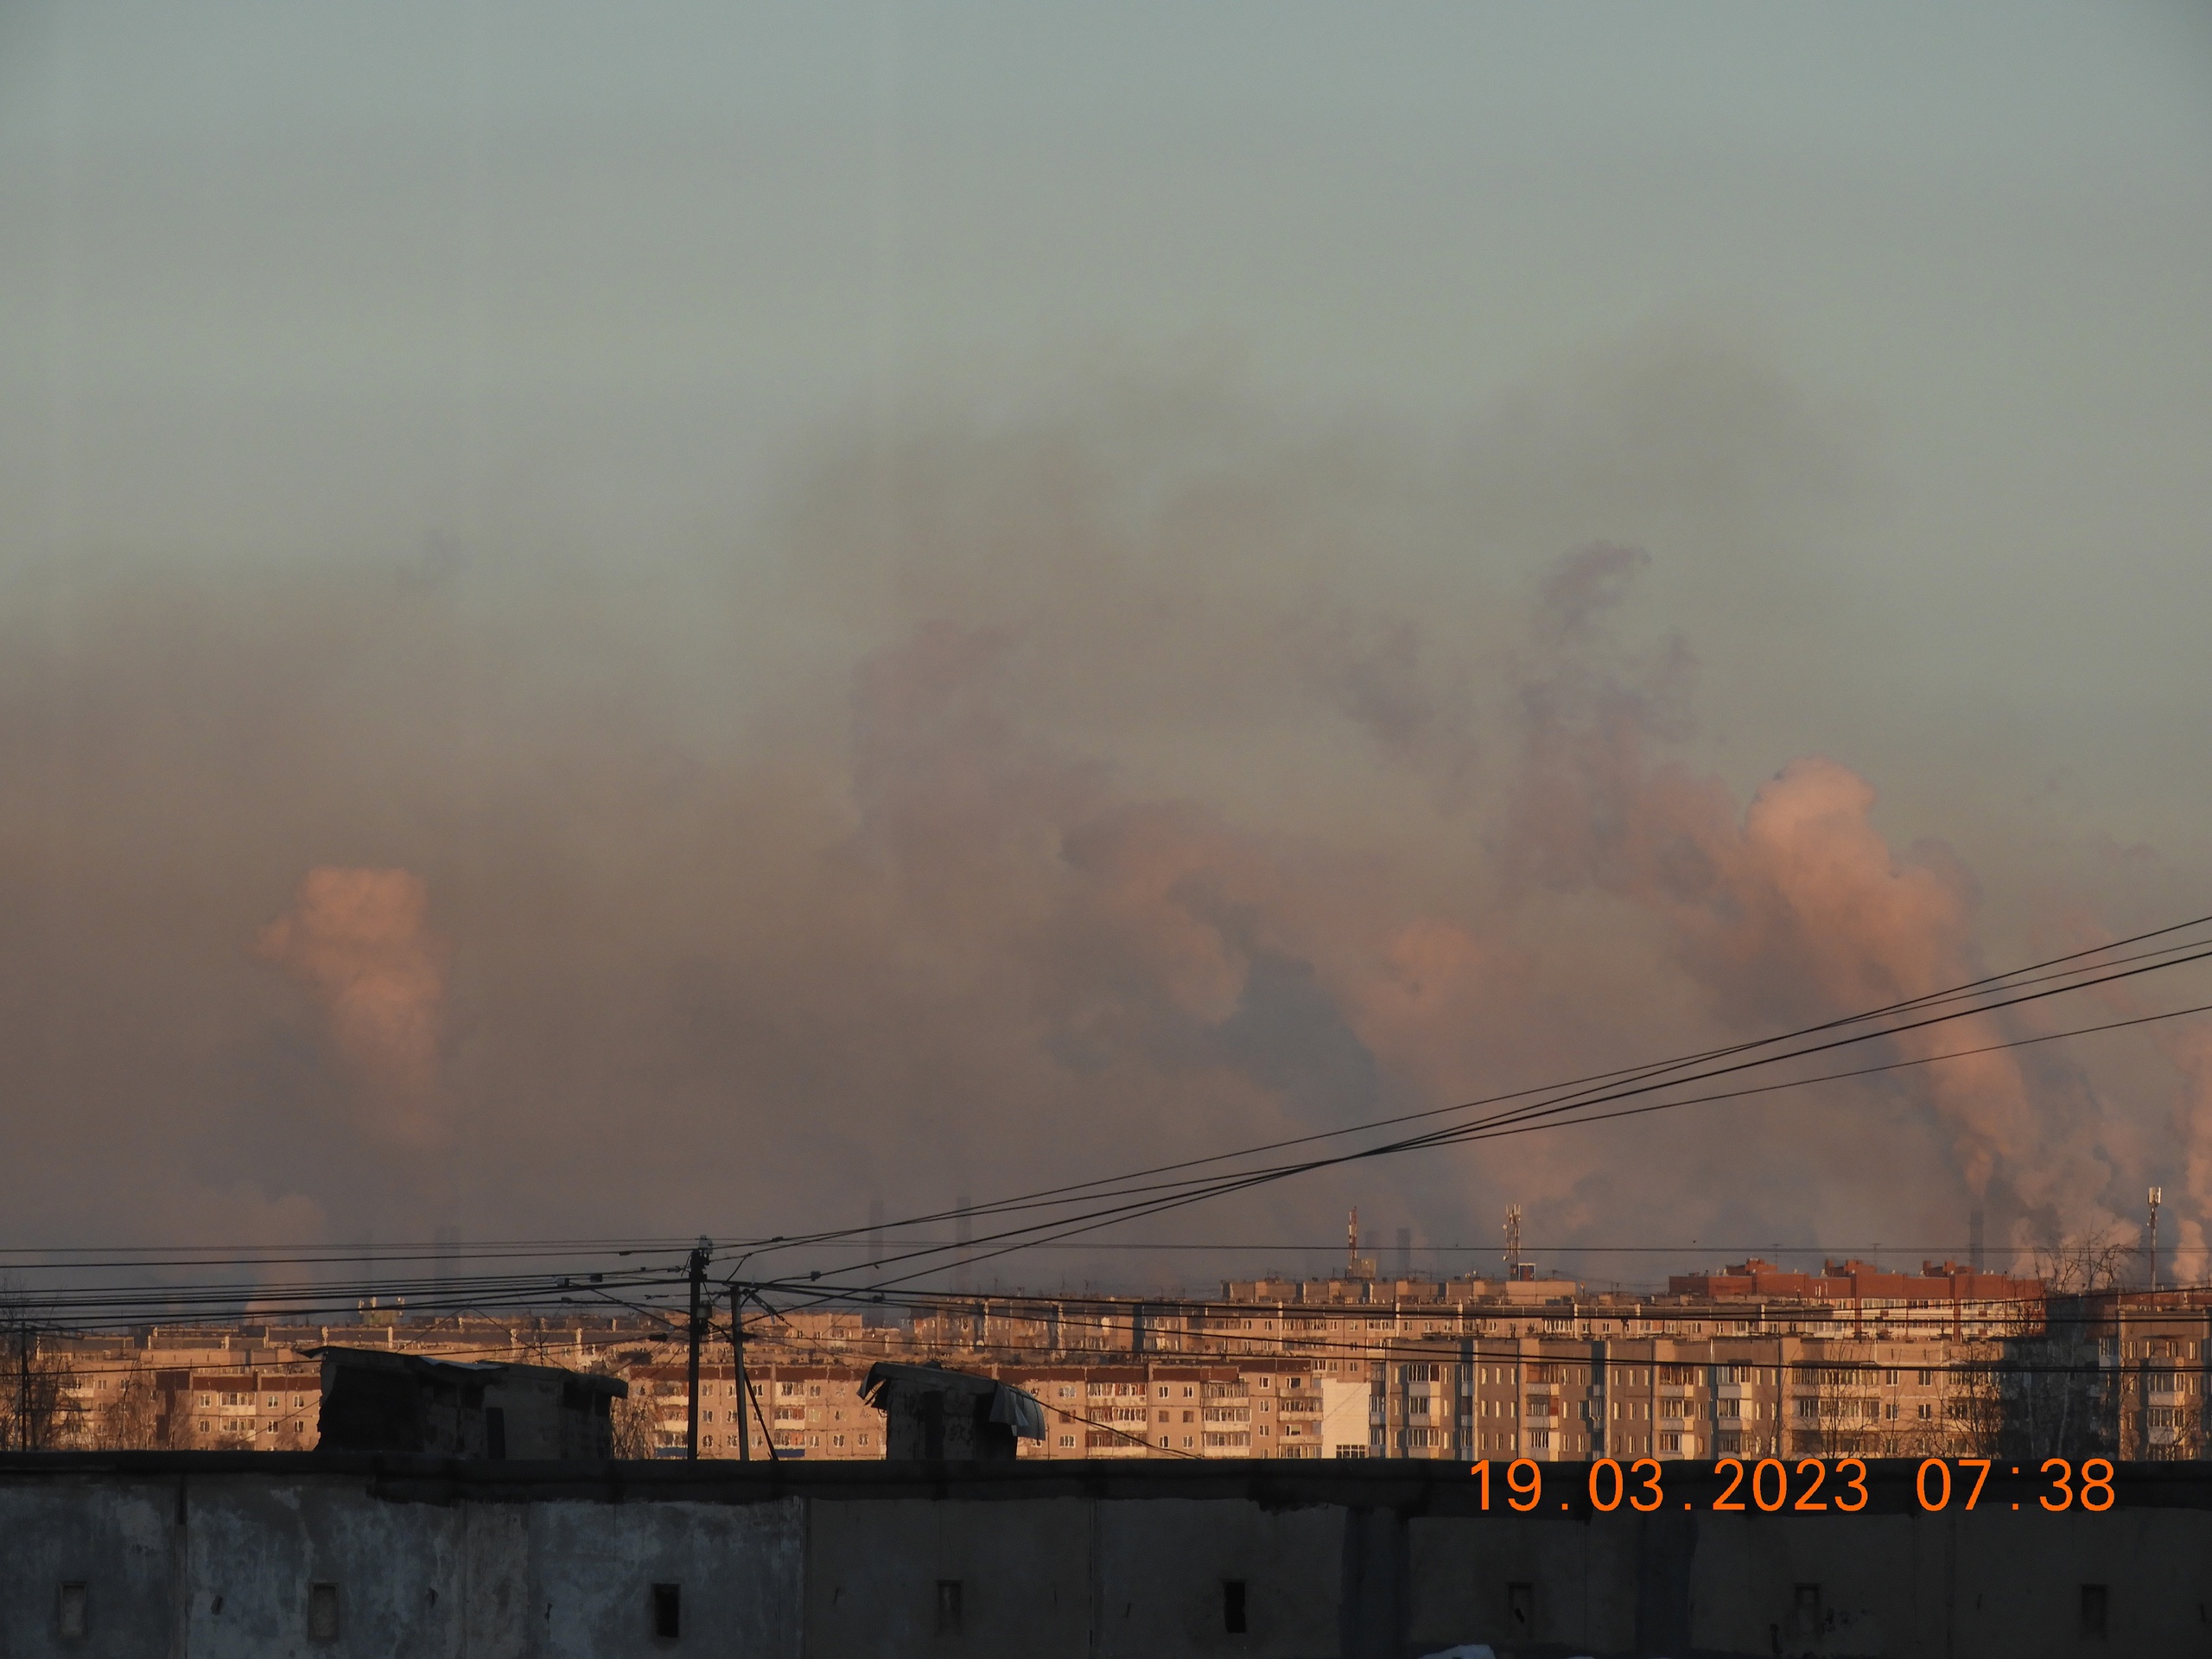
(692, 619)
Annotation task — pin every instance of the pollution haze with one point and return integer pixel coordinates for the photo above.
(696, 621)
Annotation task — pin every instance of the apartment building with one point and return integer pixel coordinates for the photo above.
(1268, 1408)
(1746, 1360)
(1349, 1318)
(1557, 1398)
(1941, 1297)
(810, 1411)
(2119, 1372)
(203, 1410)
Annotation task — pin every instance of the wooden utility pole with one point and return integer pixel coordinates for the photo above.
(743, 1388)
(700, 1256)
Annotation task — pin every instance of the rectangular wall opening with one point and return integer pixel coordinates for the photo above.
(322, 1612)
(668, 1611)
(1232, 1606)
(74, 1611)
(948, 1607)
(2096, 1609)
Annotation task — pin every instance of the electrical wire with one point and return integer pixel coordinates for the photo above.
(1642, 1074)
(1176, 1195)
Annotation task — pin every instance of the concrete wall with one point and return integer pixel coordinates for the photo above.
(217, 1555)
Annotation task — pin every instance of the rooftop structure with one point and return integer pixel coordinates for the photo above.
(374, 1400)
(944, 1415)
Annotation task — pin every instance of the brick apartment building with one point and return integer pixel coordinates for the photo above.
(1748, 1360)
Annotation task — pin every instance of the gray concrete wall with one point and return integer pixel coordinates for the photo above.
(214, 1556)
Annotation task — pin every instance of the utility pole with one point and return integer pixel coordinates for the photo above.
(700, 1256)
(2158, 1196)
(743, 1388)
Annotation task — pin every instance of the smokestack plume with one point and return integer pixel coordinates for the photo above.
(358, 940)
(1132, 771)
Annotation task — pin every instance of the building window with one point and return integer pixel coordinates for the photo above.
(668, 1611)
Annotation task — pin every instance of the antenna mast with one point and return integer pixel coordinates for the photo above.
(2157, 1197)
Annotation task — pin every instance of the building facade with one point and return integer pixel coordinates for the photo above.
(1745, 1361)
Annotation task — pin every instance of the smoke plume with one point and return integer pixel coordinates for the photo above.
(1021, 795)
(358, 940)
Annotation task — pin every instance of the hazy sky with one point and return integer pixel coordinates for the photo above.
(712, 526)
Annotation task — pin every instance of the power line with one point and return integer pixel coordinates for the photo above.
(1176, 1195)
(1561, 1106)
(1564, 1093)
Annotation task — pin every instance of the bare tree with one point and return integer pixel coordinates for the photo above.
(632, 1416)
(36, 1403)
(125, 1420)
(1846, 1413)
(2056, 1395)
(1973, 1407)
(2086, 1261)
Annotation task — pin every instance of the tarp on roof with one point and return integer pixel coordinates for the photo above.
(1018, 1410)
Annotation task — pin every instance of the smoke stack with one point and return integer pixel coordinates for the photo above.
(1405, 1253)
(1973, 1238)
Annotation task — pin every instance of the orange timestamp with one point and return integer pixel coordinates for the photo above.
(1803, 1485)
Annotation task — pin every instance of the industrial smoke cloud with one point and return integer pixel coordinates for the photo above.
(358, 939)
(1016, 797)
